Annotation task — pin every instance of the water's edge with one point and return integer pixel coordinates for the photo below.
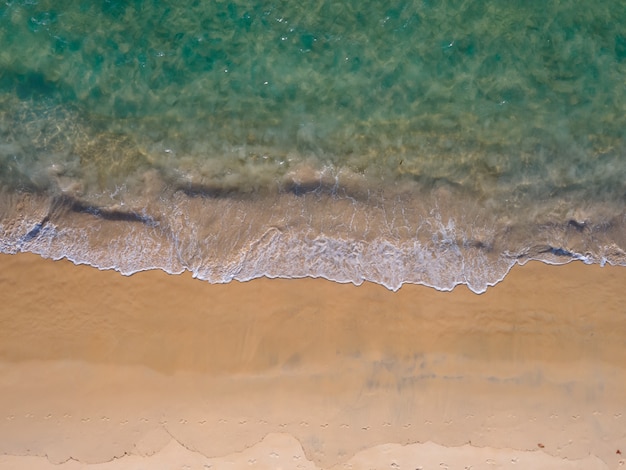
(392, 239)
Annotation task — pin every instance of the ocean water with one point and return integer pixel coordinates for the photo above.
(431, 142)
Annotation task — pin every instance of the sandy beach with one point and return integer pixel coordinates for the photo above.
(102, 371)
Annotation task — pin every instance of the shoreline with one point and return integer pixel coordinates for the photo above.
(389, 239)
(97, 366)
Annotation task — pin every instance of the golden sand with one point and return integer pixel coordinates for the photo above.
(102, 371)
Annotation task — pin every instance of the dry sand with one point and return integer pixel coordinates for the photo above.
(103, 371)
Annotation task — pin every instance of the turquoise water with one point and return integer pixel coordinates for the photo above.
(435, 142)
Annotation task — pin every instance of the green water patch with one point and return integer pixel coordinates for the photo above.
(329, 77)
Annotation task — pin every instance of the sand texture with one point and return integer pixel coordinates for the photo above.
(102, 371)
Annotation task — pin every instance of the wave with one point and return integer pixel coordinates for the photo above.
(339, 228)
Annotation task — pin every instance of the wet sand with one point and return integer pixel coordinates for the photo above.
(102, 371)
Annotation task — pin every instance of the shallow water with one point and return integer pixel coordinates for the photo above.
(425, 142)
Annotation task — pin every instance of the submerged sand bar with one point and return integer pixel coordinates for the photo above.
(96, 367)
